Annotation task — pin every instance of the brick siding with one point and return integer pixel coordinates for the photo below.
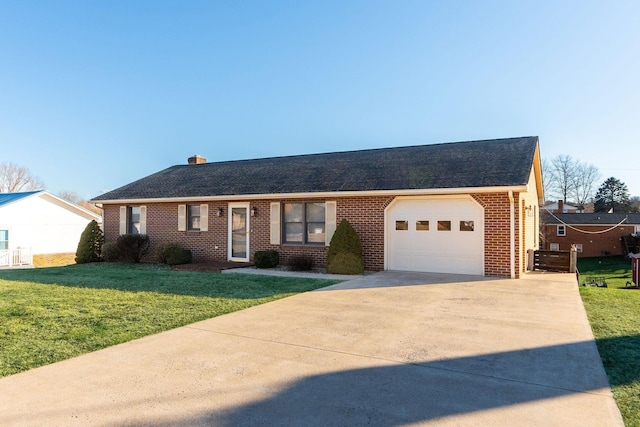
(593, 245)
(366, 215)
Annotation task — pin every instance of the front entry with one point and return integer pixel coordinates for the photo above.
(238, 232)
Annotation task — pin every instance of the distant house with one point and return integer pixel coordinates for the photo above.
(466, 207)
(40, 228)
(561, 207)
(593, 234)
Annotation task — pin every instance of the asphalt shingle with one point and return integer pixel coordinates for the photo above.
(487, 163)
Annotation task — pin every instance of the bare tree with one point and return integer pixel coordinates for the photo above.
(583, 184)
(567, 178)
(560, 176)
(70, 196)
(14, 178)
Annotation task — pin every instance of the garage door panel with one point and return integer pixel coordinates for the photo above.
(433, 250)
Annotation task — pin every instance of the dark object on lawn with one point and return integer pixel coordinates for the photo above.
(266, 259)
(300, 263)
(597, 281)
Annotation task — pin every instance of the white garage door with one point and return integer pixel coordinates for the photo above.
(444, 235)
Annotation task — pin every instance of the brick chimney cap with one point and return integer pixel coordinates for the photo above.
(196, 159)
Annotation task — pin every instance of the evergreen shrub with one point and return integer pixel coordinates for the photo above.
(266, 259)
(173, 254)
(110, 252)
(131, 247)
(90, 244)
(301, 263)
(345, 251)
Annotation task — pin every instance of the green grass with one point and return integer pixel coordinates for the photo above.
(52, 314)
(614, 314)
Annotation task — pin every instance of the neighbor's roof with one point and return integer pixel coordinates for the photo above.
(601, 218)
(488, 163)
(6, 198)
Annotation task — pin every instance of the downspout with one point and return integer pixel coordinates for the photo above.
(512, 232)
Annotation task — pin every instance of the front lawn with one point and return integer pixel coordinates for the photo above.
(614, 314)
(52, 314)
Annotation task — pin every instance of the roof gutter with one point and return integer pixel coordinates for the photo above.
(324, 194)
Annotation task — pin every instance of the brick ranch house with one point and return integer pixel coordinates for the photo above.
(594, 234)
(465, 207)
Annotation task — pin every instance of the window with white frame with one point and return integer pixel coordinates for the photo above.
(578, 247)
(303, 223)
(554, 246)
(133, 225)
(193, 211)
(4, 239)
(561, 230)
(636, 230)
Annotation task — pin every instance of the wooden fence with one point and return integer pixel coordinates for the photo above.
(560, 261)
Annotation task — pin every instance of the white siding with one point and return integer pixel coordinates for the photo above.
(42, 224)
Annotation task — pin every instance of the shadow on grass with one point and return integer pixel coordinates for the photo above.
(160, 278)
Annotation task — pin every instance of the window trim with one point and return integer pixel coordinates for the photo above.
(563, 228)
(6, 242)
(305, 224)
(190, 217)
(130, 222)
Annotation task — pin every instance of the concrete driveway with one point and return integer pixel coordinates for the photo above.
(388, 349)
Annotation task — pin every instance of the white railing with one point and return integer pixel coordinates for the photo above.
(11, 257)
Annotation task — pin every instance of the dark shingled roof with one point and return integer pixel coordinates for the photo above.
(489, 163)
(601, 218)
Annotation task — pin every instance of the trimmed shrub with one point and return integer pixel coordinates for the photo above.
(131, 247)
(346, 263)
(110, 252)
(345, 251)
(301, 263)
(266, 259)
(90, 244)
(172, 254)
(176, 255)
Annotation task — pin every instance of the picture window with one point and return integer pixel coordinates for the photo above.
(304, 223)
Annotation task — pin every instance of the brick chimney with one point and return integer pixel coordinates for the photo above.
(560, 206)
(196, 160)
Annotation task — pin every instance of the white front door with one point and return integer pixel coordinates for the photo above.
(238, 232)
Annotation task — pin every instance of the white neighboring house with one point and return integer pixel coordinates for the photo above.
(39, 223)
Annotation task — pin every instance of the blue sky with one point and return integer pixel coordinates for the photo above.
(94, 95)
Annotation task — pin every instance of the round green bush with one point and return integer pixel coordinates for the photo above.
(110, 252)
(176, 255)
(266, 259)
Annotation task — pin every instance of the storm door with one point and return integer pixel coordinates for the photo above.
(238, 232)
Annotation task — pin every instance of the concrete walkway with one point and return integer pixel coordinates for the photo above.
(387, 349)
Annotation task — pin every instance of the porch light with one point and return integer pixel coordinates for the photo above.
(220, 212)
(254, 211)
